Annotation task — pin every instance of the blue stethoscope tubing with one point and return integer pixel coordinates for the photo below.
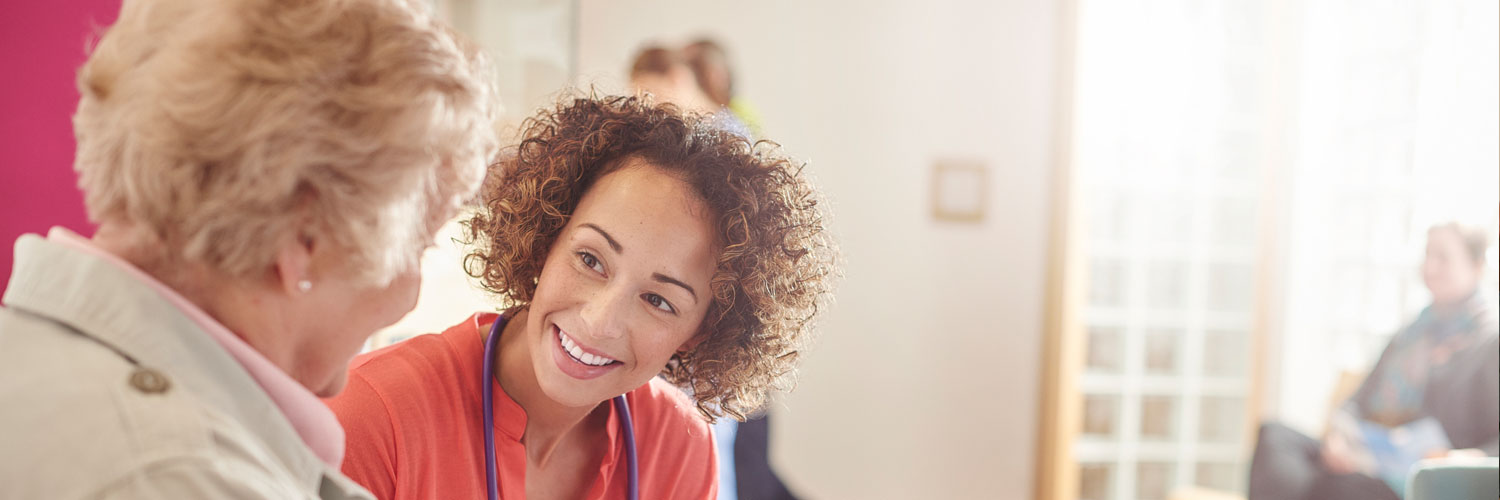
(632, 492)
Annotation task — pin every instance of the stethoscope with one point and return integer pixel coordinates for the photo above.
(632, 492)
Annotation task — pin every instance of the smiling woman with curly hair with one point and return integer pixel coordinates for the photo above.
(639, 248)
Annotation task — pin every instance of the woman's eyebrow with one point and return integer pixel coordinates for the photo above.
(612, 243)
(668, 279)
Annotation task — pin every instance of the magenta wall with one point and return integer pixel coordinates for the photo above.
(42, 44)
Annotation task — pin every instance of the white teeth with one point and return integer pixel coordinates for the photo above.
(577, 352)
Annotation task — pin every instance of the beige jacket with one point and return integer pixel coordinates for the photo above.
(108, 391)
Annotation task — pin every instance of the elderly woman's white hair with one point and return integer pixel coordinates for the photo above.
(363, 125)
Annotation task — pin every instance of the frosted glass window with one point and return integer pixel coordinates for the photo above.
(1230, 287)
(1239, 144)
(1161, 351)
(1094, 481)
(1106, 349)
(1234, 222)
(1166, 284)
(1167, 219)
(1100, 414)
(1220, 476)
(1371, 122)
(1153, 480)
(1107, 283)
(1221, 419)
(1384, 300)
(1158, 418)
(1108, 215)
(1224, 352)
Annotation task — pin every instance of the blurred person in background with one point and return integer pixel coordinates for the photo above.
(710, 65)
(647, 252)
(265, 176)
(1441, 372)
(665, 74)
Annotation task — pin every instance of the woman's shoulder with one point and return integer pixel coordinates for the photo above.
(661, 406)
(674, 437)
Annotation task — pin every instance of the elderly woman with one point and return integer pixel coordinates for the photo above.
(1442, 372)
(640, 249)
(264, 176)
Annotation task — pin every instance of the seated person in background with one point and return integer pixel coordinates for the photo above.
(633, 241)
(1443, 371)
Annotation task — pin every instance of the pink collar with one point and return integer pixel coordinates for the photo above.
(314, 422)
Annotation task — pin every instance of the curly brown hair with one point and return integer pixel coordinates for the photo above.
(776, 264)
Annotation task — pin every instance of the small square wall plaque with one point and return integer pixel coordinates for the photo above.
(959, 188)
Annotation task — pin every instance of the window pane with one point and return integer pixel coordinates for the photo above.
(1234, 222)
(1106, 350)
(1094, 481)
(1106, 283)
(1384, 293)
(1239, 143)
(1225, 353)
(1152, 480)
(1219, 476)
(1161, 351)
(1100, 412)
(1108, 214)
(1221, 419)
(1167, 219)
(1165, 282)
(1230, 287)
(1158, 417)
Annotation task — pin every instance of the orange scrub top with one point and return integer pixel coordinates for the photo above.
(412, 417)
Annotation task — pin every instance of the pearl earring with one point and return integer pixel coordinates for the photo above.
(304, 285)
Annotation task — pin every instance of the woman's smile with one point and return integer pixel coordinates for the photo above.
(578, 361)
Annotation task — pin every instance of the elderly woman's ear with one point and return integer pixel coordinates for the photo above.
(293, 268)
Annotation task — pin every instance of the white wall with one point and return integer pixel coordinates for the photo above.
(924, 381)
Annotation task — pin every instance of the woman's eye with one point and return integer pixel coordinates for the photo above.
(660, 303)
(591, 261)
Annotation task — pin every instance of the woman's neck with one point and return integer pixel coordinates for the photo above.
(548, 424)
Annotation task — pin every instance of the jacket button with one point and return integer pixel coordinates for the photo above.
(149, 381)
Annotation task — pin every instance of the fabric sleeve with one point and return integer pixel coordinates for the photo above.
(678, 457)
(195, 477)
(369, 435)
(1464, 394)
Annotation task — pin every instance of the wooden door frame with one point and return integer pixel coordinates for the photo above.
(1062, 340)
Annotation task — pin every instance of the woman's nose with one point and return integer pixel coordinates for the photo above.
(605, 312)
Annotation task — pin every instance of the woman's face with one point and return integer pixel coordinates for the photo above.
(624, 287)
(1448, 271)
